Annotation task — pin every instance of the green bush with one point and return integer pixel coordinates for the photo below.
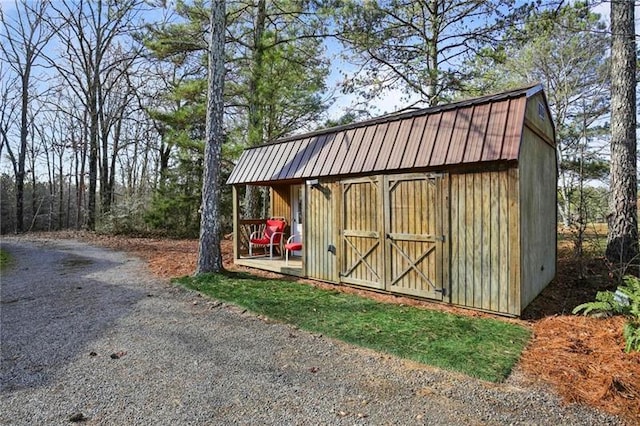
(624, 301)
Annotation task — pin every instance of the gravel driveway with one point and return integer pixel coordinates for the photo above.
(88, 334)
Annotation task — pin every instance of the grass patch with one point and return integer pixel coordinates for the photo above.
(5, 259)
(479, 347)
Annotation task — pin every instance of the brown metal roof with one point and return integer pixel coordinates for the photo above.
(486, 129)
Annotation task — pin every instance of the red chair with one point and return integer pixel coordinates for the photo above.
(292, 245)
(270, 237)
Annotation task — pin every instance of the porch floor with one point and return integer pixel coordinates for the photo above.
(277, 264)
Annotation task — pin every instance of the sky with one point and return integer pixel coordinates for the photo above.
(392, 100)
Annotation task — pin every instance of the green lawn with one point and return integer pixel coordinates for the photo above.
(482, 348)
(5, 259)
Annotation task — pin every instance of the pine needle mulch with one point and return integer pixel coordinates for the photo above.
(584, 359)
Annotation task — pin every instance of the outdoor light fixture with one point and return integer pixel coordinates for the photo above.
(314, 183)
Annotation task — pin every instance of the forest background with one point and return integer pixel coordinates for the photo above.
(103, 102)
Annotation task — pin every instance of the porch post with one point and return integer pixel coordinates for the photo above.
(236, 223)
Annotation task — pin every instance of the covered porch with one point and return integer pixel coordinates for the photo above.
(260, 258)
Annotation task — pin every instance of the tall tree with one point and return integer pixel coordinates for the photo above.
(277, 40)
(8, 108)
(622, 241)
(209, 252)
(21, 41)
(274, 75)
(417, 45)
(90, 31)
(550, 48)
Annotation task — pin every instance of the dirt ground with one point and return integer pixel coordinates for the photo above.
(583, 358)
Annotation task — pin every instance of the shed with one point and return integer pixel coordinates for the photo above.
(455, 203)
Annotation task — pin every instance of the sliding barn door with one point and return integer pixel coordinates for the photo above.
(416, 212)
(361, 238)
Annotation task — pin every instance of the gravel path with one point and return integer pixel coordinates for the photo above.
(88, 332)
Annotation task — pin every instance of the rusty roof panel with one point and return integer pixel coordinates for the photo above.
(389, 147)
(495, 132)
(353, 150)
(460, 136)
(474, 131)
(513, 130)
(477, 131)
(332, 154)
(315, 147)
(400, 144)
(427, 144)
(365, 148)
(376, 147)
(413, 142)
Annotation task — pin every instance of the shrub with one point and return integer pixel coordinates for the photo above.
(624, 301)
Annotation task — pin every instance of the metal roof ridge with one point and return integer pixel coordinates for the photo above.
(527, 91)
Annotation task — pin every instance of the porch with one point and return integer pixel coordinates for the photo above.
(261, 260)
(276, 264)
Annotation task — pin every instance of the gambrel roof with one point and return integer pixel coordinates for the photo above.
(480, 130)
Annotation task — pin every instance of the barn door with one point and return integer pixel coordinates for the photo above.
(361, 223)
(415, 228)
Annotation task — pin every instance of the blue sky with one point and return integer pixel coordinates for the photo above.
(390, 101)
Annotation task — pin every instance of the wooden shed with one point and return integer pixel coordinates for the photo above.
(455, 203)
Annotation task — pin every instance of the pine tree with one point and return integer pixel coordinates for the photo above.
(622, 241)
(209, 252)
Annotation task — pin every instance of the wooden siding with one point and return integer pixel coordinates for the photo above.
(362, 244)
(320, 232)
(538, 118)
(484, 234)
(537, 215)
(281, 202)
(454, 203)
(476, 131)
(416, 234)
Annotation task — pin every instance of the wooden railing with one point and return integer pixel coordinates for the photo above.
(245, 228)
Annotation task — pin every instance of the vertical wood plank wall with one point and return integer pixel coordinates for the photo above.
(537, 117)
(499, 228)
(361, 222)
(484, 241)
(281, 202)
(319, 230)
(417, 234)
(538, 214)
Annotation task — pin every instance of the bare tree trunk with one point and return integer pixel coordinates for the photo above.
(51, 166)
(209, 253)
(61, 192)
(22, 43)
(255, 113)
(93, 172)
(622, 241)
(24, 131)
